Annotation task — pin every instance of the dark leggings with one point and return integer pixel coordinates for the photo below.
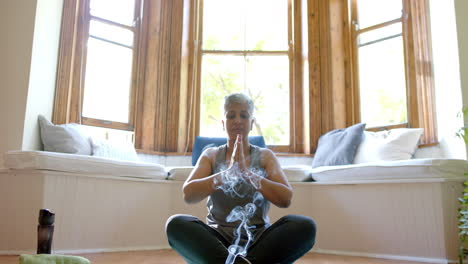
(285, 241)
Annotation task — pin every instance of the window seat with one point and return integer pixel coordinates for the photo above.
(408, 213)
(405, 170)
(74, 163)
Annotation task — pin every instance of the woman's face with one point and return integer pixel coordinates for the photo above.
(237, 120)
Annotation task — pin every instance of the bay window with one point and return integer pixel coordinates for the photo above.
(160, 68)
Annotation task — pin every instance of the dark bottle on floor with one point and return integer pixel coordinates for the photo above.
(45, 231)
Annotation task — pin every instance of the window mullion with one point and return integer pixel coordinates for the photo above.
(353, 104)
(80, 63)
(245, 52)
(112, 23)
(65, 66)
(110, 41)
(418, 56)
(136, 62)
(377, 26)
(379, 40)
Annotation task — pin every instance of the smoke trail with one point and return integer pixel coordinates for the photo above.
(232, 183)
(233, 180)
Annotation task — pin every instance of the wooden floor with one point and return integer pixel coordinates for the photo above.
(167, 256)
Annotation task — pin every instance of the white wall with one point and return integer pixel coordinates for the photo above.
(461, 9)
(446, 78)
(43, 69)
(30, 31)
(16, 28)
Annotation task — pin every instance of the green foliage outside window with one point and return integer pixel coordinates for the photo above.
(392, 110)
(463, 210)
(223, 81)
(262, 78)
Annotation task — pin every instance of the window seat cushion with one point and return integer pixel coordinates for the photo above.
(371, 171)
(390, 170)
(294, 173)
(54, 161)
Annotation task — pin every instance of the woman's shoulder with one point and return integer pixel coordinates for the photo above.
(263, 150)
(265, 153)
(211, 152)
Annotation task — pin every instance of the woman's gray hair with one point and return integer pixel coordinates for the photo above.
(238, 98)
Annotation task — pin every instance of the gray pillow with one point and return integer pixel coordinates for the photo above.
(338, 146)
(67, 138)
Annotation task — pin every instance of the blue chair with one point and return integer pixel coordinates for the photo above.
(201, 143)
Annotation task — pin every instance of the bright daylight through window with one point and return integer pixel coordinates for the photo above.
(245, 49)
(160, 69)
(109, 61)
(381, 63)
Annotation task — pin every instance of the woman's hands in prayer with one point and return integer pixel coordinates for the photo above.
(237, 155)
(238, 164)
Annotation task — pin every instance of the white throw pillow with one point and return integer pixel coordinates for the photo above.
(114, 150)
(67, 138)
(394, 144)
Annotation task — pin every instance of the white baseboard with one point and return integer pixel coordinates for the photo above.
(383, 256)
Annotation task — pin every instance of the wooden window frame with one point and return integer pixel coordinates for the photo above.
(418, 68)
(160, 122)
(166, 101)
(72, 63)
(295, 75)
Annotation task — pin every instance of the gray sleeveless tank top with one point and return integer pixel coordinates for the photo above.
(220, 205)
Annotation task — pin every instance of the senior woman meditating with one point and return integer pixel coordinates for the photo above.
(240, 180)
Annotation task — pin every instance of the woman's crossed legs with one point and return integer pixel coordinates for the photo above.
(285, 241)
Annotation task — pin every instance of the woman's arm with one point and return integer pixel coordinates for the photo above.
(200, 182)
(275, 187)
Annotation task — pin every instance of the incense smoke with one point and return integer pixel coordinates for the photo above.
(233, 182)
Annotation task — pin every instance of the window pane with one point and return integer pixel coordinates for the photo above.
(267, 82)
(223, 25)
(373, 12)
(380, 34)
(245, 25)
(107, 81)
(382, 83)
(121, 11)
(264, 78)
(267, 25)
(112, 33)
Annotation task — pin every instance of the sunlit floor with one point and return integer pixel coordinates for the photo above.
(167, 256)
